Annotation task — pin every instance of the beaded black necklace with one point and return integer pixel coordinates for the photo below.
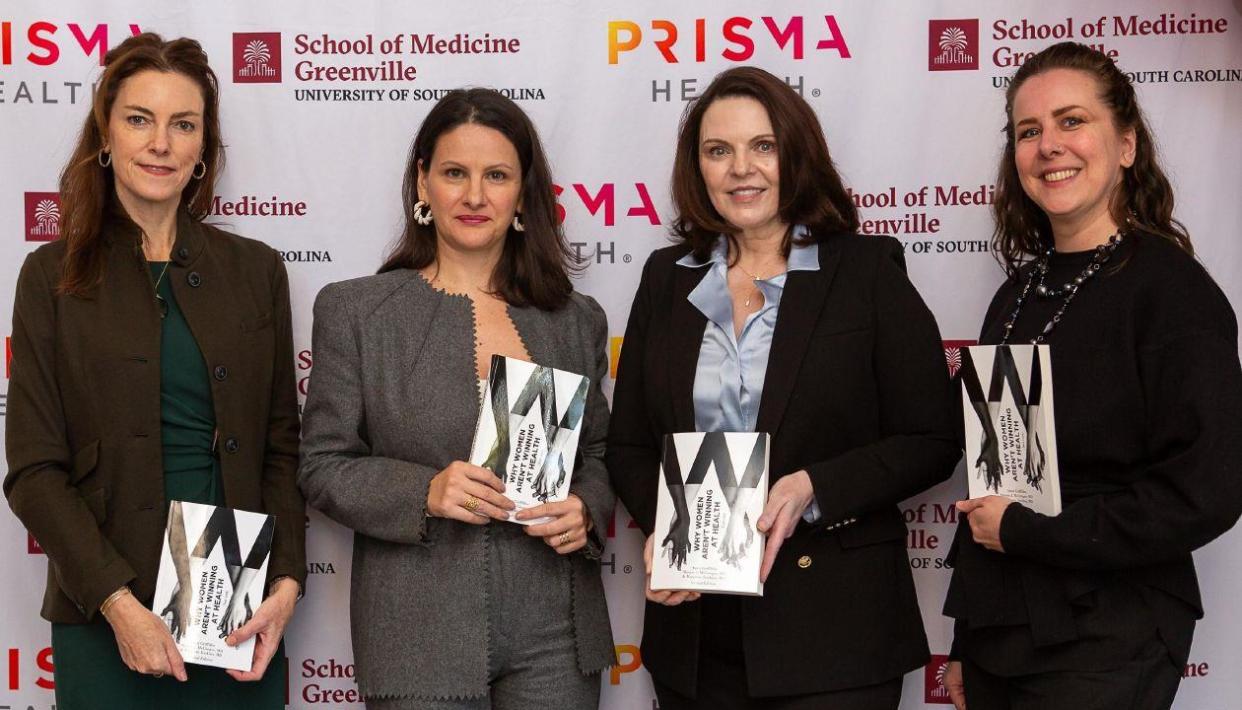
(1068, 290)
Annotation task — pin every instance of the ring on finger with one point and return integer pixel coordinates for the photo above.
(158, 675)
(471, 504)
(563, 539)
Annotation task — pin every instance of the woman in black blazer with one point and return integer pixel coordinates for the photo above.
(815, 336)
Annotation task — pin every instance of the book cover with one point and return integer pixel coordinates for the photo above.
(713, 487)
(528, 430)
(1011, 443)
(211, 579)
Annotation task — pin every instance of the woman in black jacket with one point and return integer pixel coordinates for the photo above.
(1095, 608)
(773, 315)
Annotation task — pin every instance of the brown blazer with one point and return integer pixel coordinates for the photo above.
(82, 434)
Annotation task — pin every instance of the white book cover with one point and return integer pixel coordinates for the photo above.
(713, 487)
(211, 580)
(528, 430)
(1011, 443)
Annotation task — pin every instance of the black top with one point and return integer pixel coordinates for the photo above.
(1148, 403)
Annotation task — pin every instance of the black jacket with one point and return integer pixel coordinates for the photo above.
(857, 393)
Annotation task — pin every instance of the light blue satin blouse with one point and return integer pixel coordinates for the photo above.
(728, 380)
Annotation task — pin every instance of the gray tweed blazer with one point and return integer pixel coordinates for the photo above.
(393, 399)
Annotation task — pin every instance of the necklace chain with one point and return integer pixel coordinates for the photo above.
(754, 282)
(1068, 290)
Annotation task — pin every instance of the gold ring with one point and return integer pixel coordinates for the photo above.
(564, 538)
(158, 675)
(471, 504)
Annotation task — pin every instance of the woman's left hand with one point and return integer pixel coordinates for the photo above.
(787, 500)
(984, 515)
(268, 624)
(567, 532)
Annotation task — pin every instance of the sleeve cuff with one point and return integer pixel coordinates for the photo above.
(1019, 529)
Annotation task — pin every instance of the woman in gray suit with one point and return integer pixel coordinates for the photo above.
(452, 608)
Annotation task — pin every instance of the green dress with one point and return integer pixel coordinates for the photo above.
(89, 669)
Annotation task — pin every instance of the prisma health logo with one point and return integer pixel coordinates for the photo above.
(256, 58)
(952, 45)
(42, 216)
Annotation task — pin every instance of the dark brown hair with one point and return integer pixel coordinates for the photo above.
(811, 191)
(1144, 198)
(86, 188)
(535, 265)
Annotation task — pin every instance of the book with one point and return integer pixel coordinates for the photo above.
(713, 487)
(213, 568)
(1011, 443)
(529, 422)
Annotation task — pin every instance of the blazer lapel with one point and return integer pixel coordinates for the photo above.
(801, 305)
(687, 324)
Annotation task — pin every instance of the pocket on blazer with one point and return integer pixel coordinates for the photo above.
(85, 461)
(259, 323)
(837, 329)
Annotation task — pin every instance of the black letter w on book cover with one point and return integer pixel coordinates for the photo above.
(212, 573)
(712, 491)
(1011, 444)
(528, 430)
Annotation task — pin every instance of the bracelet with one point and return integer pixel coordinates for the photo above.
(112, 598)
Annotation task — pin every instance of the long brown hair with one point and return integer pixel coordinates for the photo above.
(86, 188)
(535, 265)
(1144, 198)
(811, 191)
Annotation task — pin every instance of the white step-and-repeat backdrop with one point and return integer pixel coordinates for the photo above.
(321, 100)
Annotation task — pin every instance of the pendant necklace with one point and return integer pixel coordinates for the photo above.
(754, 282)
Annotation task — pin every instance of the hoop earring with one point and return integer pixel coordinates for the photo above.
(199, 175)
(104, 158)
(422, 213)
(517, 222)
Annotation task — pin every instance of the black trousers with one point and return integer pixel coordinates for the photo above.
(722, 675)
(1148, 682)
(1122, 659)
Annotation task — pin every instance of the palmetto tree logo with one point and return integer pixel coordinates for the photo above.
(953, 354)
(953, 45)
(934, 691)
(256, 57)
(47, 218)
(953, 38)
(42, 216)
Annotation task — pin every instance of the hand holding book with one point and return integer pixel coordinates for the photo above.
(567, 529)
(984, 515)
(787, 501)
(267, 625)
(667, 597)
(143, 640)
(469, 493)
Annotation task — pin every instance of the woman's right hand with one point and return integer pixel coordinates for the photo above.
(143, 639)
(468, 493)
(953, 683)
(667, 597)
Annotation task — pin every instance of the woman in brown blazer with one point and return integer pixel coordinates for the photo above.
(152, 361)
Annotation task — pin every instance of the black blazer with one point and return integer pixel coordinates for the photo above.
(857, 393)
